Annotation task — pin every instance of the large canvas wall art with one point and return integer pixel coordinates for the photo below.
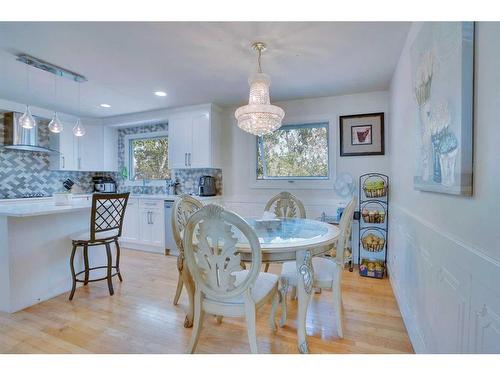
(442, 59)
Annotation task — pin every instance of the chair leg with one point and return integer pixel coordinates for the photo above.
(266, 267)
(283, 292)
(337, 302)
(110, 269)
(118, 260)
(294, 293)
(250, 318)
(272, 317)
(73, 274)
(198, 323)
(86, 263)
(178, 290)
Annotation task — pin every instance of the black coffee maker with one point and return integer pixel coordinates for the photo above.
(206, 186)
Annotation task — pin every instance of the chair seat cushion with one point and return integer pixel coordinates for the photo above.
(324, 271)
(85, 236)
(264, 284)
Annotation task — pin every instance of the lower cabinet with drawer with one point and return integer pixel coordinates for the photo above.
(144, 225)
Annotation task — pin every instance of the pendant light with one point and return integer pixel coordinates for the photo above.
(79, 129)
(55, 125)
(26, 120)
(259, 117)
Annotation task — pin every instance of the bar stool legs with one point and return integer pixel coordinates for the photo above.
(109, 266)
(118, 260)
(86, 263)
(109, 275)
(73, 274)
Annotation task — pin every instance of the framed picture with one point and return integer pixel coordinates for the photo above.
(362, 135)
(442, 64)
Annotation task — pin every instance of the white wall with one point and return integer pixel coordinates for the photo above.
(444, 257)
(239, 153)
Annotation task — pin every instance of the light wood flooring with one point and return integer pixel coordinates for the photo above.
(140, 318)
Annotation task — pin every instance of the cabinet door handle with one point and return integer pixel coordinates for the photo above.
(63, 162)
(79, 163)
(189, 159)
(149, 217)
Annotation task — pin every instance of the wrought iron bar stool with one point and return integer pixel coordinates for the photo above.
(108, 211)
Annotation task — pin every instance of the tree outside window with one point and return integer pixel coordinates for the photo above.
(294, 152)
(149, 158)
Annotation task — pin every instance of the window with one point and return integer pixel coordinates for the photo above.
(148, 156)
(294, 152)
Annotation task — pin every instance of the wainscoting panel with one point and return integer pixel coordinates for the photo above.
(447, 290)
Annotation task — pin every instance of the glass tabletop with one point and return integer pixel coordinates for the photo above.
(289, 232)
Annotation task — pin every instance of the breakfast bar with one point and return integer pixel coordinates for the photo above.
(35, 247)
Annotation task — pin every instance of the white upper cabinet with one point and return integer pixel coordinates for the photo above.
(91, 149)
(193, 139)
(96, 151)
(65, 143)
(179, 141)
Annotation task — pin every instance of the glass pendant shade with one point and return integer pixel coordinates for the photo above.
(55, 125)
(26, 120)
(259, 117)
(79, 129)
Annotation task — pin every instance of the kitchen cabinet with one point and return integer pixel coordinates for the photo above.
(194, 139)
(130, 229)
(96, 151)
(90, 150)
(65, 143)
(144, 225)
(151, 223)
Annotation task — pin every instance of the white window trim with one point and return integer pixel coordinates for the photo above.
(126, 140)
(302, 183)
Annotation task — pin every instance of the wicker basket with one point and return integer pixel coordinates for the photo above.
(373, 213)
(373, 241)
(374, 192)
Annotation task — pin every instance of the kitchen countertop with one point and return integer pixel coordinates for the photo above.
(45, 206)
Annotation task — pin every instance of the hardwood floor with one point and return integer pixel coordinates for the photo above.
(140, 318)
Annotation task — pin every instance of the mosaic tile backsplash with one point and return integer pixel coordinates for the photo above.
(188, 178)
(23, 172)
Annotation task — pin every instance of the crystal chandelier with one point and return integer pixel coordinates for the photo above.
(259, 117)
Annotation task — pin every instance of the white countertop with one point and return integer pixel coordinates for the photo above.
(46, 206)
(38, 208)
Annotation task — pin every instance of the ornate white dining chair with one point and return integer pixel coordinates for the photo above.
(287, 205)
(183, 208)
(327, 271)
(222, 287)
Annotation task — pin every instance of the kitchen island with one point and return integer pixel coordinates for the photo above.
(35, 247)
(35, 243)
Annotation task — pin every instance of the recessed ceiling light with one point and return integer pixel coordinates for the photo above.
(104, 105)
(160, 93)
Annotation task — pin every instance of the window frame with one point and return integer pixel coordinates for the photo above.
(128, 157)
(301, 182)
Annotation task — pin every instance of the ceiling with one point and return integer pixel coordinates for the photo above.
(194, 62)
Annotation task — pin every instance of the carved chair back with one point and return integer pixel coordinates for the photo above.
(345, 227)
(210, 241)
(108, 211)
(183, 208)
(286, 205)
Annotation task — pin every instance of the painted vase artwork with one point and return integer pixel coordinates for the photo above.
(442, 69)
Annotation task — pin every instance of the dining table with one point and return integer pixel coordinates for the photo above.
(282, 240)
